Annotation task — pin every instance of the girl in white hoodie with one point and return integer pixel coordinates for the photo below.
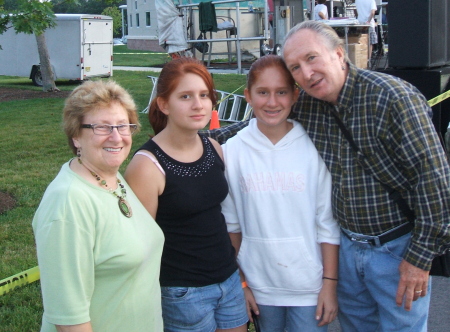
(278, 210)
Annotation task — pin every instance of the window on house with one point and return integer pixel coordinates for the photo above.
(148, 22)
(131, 21)
(137, 20)
(135, 4)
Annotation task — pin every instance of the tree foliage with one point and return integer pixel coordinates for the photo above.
(3, 23)
(10, 4)
(116, 15)
(4, 19)
(84, 6)
(33, 17)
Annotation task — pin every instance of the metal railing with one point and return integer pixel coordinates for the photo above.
(238, 37)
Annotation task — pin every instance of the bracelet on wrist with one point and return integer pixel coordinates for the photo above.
(334, 279)
(244, 284)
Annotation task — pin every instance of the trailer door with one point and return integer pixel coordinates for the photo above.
(97, 47)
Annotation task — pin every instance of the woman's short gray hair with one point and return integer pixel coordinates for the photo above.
(327, 33)
(89, 97)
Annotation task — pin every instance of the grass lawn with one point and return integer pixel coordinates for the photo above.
(33, 148)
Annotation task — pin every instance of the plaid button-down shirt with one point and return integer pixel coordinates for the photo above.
(390, 122)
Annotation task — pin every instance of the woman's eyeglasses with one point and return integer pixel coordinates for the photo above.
(105, 129)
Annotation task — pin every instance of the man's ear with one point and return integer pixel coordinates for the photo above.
(341, 54)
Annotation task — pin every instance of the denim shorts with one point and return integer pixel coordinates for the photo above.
(204, 309)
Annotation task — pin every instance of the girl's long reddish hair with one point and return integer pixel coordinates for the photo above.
(168, 81)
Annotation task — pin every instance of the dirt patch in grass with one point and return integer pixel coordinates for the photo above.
(7, 202)
(9, 94)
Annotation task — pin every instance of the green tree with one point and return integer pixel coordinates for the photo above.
(9, 4)
(85, 7)
(3, 19)
(116, 15)
(34, 17)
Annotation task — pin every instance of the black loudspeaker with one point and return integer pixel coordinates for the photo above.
(419, 33)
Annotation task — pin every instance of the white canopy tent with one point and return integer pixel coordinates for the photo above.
(172, 35)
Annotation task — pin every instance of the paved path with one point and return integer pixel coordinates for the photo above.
(137, 68)
(439, 319)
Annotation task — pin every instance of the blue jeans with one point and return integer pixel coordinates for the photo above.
(368, 280)
(289, 319)
(204, 309)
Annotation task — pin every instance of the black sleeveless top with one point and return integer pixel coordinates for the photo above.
(197, 249)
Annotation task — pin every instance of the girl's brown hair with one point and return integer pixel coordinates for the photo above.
(265, 62)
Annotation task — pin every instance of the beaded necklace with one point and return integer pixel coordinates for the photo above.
(124, 206)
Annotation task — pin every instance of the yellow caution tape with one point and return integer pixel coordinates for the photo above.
(18, 280)
(228, 96)
(438, 99)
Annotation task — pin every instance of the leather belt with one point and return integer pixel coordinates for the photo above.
(382, 238)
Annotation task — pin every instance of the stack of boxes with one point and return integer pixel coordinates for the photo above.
(358, 49)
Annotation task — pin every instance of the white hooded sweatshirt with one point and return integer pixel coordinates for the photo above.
(280, 199)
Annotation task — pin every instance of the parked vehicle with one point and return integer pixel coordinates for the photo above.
(80, 47)
(117, 41)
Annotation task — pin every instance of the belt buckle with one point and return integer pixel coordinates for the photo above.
(358, 239)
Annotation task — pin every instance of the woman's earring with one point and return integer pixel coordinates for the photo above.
(78, 152)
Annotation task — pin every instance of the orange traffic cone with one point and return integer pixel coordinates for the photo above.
(214, 124)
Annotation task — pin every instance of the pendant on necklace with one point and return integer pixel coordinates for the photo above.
(125, 208)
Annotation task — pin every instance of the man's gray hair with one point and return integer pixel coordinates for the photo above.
(327, 33)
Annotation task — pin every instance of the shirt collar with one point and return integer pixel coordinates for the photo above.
(345, 99)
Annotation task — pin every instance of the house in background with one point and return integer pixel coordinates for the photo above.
(142, 25)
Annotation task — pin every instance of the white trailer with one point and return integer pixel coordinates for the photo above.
(80, 47)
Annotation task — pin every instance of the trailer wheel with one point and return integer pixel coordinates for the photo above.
(37, 77)
(277, 49)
